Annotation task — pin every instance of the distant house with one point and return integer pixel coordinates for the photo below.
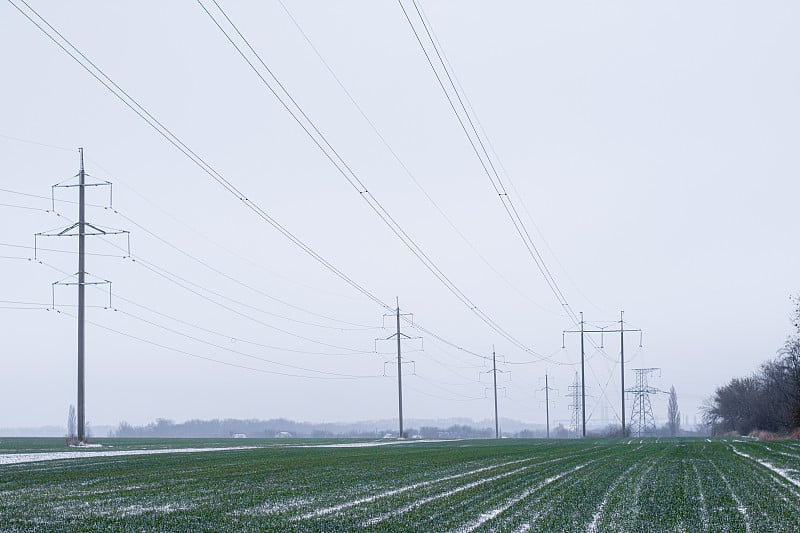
(283, 435)
(239, 436)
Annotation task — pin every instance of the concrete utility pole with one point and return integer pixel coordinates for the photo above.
(400, 336)
(81, 229)
(494, 378)
(81, 297)
(547, 403)
(494, 372)
(583, 380)
(583, 374)
(622, 366)
(622, 331)
(399, 373)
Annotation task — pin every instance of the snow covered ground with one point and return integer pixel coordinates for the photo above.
(17, 458)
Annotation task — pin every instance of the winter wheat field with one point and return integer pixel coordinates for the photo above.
(507, 485)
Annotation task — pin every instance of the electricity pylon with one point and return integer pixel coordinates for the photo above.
(494, 372)
(79, 229)
(575, 393)
(622, 331)
(642, 419)
(547, 388)
(399, 336)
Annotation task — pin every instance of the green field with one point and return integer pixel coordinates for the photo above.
(507, 485)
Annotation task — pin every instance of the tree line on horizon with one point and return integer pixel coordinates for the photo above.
(767, 400)
(283, 428)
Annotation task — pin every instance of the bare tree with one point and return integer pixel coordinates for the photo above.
(791, 362)
(673, 414)
(72, 424)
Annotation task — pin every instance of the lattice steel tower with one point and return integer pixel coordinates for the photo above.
(575, 393)
(642, 420)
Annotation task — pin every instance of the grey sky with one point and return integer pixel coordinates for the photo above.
(654, 145)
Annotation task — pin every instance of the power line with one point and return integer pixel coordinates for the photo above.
(72, 252)
(205, 358)
(299, 115)
(186, 284)
(65, 45)
(25, 207)
(48, 198)
(226, 348)
(434, 383)
(73, 52)
(477, 144)
(171, 138)
(232, 338)
(400, 162)
(167, 275)
(499, 162)
(194, 338)
(464, 397)
(28, 141)
(183, 282)
(216, 243)
(247, 286)
(81, 229)
(197, 260)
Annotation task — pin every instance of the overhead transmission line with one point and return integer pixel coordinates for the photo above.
(197, 339)
(166, 213)
(233, 338)
(284, 97)
(499, 162)
(211, 359)
(65, 45)
(206, 265)
(478, 145)
(190, 256)
(461, 108)
(62, 42)
(196, 288)
(221, 347)
(402, 165)
(248, 286)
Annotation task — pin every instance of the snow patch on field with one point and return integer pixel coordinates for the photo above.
(136, 510)
(485, 517)
(368, 444)
(739, 505)
(275, 507)
(782, 472)
(19, 458)
(592, 528)
(418, 503)
(368, 499)
(703, 504)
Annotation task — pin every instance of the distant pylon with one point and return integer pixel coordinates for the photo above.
(642, 420)
(575, 392)
(547, 388)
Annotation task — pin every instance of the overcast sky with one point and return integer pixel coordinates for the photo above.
(651, 149)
